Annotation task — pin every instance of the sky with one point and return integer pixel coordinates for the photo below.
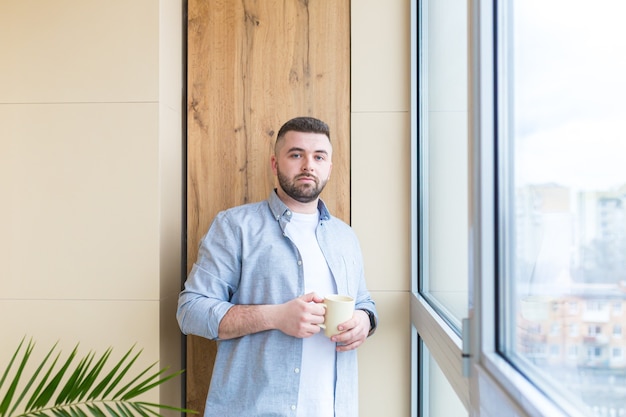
(569, 92)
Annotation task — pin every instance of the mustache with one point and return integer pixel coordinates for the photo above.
(307, 176)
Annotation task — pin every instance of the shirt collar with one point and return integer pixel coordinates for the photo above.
(280, 209)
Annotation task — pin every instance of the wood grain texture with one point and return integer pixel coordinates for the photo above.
(252, 65)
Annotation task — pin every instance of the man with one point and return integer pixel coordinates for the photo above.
(258, 284)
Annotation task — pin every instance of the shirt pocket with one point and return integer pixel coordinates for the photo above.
(349, 272)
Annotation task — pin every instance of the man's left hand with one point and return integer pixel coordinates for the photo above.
(353, 332)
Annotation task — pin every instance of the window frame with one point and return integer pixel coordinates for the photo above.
(489, 385)
(502, 385)
(429, 322)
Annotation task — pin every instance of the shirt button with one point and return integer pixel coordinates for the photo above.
(288, 213)
(299, 262)
(297, 370)
(293, 407)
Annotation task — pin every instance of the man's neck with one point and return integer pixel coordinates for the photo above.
(295, 205)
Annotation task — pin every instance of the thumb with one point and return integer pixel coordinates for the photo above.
(312, 296)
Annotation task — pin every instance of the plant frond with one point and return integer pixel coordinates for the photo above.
(164, 407)
(93, 375)
(95, 410)
(8, 368)
(49, 390)
(31, 402)
(32, 380)
(68, 391)
(8, 397)
(105, 381)
(117, 380)
(131, 383)
(77, 388)
(111, 411)
(140, 389)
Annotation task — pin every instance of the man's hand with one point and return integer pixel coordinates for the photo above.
(354, 332)
(298, 318)
(301, 316)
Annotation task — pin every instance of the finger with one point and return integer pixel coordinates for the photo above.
(308, 297)
(312, 297)
(349, 346)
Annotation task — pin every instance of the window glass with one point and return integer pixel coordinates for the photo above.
(562, 197)
(443, 156)
(438, 396)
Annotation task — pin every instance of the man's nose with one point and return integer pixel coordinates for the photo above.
(307, 164)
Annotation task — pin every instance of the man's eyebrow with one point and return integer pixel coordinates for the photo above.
(296, 149)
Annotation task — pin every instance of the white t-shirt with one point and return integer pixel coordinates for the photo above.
(316, 395)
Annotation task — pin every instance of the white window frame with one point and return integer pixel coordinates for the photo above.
(497, 388)
(442, 341)
(485, 382)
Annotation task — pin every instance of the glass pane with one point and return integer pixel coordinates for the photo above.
(438, 396)
(563, 198)
(443, 156)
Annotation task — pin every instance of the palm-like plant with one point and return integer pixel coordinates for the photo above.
(54, 391)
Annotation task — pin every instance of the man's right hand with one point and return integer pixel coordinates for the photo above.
(301, 316)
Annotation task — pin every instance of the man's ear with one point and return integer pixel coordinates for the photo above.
(273, 164)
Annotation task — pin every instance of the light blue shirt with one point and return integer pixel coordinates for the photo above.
(246, 258)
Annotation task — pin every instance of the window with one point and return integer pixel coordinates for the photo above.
(561, 191)
(440, 213)
(540, 146)
(617, 331)
(617, 308)
(443, 174)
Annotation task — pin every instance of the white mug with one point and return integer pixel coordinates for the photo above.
(339, 308)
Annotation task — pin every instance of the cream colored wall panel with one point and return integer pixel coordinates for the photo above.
(381, 198)
(384, 360)
(94, 325)
(78, 50)
(380, 55)
(171, 198)
(171, 54)
(81, 209)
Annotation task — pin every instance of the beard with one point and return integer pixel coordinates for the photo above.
(303, 193)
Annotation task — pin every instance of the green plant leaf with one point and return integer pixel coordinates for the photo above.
(92, 376)
(6, 402)
(48, 391)
(42, 384)
(8, 368)
(78, 389)
(32, 379)
(69, 390)
(95, 410)
(129, 386)
(111, 410)
(122, 374)
(109, 377)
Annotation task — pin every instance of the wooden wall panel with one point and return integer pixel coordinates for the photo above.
(252, 65)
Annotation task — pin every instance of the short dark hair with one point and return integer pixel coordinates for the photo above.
(304, 125)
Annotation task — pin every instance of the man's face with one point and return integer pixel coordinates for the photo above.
(302, 165)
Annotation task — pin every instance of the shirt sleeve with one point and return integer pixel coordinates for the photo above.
(213, 279)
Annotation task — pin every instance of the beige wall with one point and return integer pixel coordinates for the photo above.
(90, 179)
(90, 176)
(380, 209)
